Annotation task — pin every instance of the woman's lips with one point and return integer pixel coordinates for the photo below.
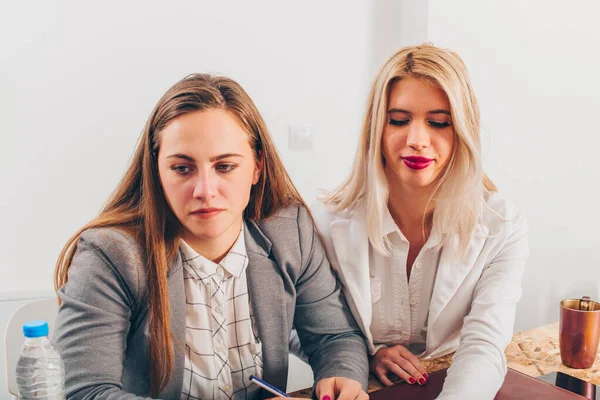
(206, 213)
(417, 162)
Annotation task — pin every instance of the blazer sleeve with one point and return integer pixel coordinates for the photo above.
(92, 325)
(327, 330)
(479, 364)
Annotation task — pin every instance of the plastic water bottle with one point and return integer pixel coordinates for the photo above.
(40, 370)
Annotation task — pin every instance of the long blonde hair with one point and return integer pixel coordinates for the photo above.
(459, 193)
(138, 204)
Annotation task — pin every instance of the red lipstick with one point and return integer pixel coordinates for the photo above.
(417, 162)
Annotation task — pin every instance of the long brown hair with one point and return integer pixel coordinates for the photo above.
(138, 204)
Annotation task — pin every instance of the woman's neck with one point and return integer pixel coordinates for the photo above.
(214, 249)
(407, 208)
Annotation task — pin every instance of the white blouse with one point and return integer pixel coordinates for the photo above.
(401, 306)
(222, 348)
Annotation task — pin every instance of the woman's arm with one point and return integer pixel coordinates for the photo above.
(327, 330)
(92, 325)
(479, 365)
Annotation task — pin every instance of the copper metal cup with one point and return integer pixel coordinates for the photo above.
(579, 332)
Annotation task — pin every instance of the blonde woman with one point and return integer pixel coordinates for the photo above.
(192, 277)
(430, 255)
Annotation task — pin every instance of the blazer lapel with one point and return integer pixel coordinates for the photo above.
(351, 244)
(267, 296)
(453, 271)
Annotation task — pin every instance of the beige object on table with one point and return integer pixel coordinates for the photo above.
(536, 352)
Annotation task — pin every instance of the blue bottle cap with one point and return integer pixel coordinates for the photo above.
(34, 329)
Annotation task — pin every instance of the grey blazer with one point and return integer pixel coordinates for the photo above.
(102, 329)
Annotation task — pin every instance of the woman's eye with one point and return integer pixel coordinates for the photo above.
(439, 125)
(225, 167)
(181, 169)
(399, 122)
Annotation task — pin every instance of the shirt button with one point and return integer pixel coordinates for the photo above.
(418, 265)
(220, 272)
(219, 309)
(413, 302)
(227, 388)
(222, 349)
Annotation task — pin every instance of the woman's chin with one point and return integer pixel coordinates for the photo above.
(206, 232)
(421, 182)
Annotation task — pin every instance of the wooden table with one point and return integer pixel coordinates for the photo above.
(534, 352)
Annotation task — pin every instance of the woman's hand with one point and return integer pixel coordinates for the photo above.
(337, 388)
(399, 361)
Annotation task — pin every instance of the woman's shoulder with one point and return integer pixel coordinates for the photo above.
(325, 213)
(288, 220)
(499, 212)
(113, 249)
(290, 229)
(114, 243)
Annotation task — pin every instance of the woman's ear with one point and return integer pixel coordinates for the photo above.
(258, 168)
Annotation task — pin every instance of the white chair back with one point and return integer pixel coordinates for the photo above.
(47, 310)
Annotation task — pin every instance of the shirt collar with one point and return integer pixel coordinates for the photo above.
(234, 263)
(390, 227)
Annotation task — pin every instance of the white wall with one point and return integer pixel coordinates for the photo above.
(534, 66)
(396, 23)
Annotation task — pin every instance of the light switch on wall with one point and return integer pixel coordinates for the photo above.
(300, 138)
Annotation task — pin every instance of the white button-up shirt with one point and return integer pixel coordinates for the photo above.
(401, 306)
(222, 348)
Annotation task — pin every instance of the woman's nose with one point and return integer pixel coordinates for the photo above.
(418, 135)
(205, 187)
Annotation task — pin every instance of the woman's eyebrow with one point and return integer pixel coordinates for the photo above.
(393, 110)
(188, 158)
(226, 155)
(439, 112)
(212, 159)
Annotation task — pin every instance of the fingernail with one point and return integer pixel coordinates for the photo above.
(425, 376)
(421, 381)
(411, 380)
(325, 398)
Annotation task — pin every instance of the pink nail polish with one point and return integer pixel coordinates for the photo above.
(325, 398)
(425, 375)
(411, 380)
(422, 381)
